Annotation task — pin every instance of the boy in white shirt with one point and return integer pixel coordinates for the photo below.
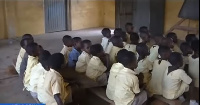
(96, 69)
(144, 65)
(145, 39)
(174, 38)
(175, 81)
(159, 68)
(127, 90)
(85, 56)
(134, 37)
(67, 47)
(113, 73)
(106, 32)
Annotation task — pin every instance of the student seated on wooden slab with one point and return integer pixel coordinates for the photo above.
(106, 32)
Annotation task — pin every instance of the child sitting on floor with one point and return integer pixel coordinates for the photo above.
(143, 29)
(159, 67)
(144, 65)
(174, 38)
(145, 39)
(134, 37)
(85, 56)
(129, 29)
(96, 69)
(113, 73)
(175, 80)
(106, 37)
(67, 47)
(75, 53)
(117, 32)
(194, 73)
(127, 90)
(124, 38)
(190, 37)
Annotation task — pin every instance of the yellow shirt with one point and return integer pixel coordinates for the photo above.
(54, 84)
(131, 47)
(126, 87)
(155, 84)
(112, 80)
(153, 53)
(128, 38)
(144, 66)
(82, 62)
(19, 59)
(172, 82)
(95, 68)
(32, 61)
(65, 51)
(177, 48)
(194, 70)
(104, 43)
(113, 54)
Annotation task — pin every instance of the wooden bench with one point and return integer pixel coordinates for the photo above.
(170, 102)
(101, 93)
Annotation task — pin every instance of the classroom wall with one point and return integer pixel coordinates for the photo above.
(171, 17)
(2, 21)
(109, 13)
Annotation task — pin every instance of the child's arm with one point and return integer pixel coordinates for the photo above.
(58, 99)
(185, 78)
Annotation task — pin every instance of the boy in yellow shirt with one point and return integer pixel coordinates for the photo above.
(175, 81)
(134, 37)
(174, 38)
(106, 37)
(129, 29)
(85, 56)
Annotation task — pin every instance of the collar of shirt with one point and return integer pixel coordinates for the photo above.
(54, 71)
(129, 71)
(86, 54)
(76, 51)
(32, 57)
(68, 48)
(117, 67)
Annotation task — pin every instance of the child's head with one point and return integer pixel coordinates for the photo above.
(85, 46)
(43, 59)
(195, 46)
(56, 62)
(142, 49)
(106, 32)
(143, 29)
(128, 59)
(167, 42)
(77, 42)
(129, 27)
(117, 41)
(145, 37)
(68, 41)
(96, 50)
(164, 52)
(33, 49)
(190, 37)
(124, 36)
(27, 36)
(176, 59)
(25, 42)
(173, 36)
(186, 48)
(118, 32)
(134, 37)
(120, 55)
(158, 39)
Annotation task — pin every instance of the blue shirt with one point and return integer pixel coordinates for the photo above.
(73, 57)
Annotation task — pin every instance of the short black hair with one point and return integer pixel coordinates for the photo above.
(44, 57)
(143, 29)
(141, 48)
(85, 42)
(195, 45)
(165, 41)
(190, 37)
(128, 58)
(175, 58)
(134, 37)
(171, 34)
(163, 49)
(32, 48)
(105, 31)
(24, 41)
(120, 55)
(115, 40)
(56, 61)
(118, 31)
(77, 39)
(96, 49)
(66, 38)
(128, 24)
(184, 46)
(27, 36)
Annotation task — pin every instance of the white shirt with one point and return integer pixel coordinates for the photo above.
(153, 53)
(19, 59)
(95, 68)
(112, 80)
(194, 70)
(65, 51)
(131, 47)
(127, 86)
(104, 43)
(113, 54)
(82, 62)
(109, 48)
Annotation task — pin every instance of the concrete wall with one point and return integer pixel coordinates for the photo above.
(171, 17)
(2, 21)
(109, 13)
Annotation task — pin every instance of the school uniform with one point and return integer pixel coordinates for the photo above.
(128, 38)
(32, 61)
(194, 70)
(23, 66)
(109, 48)
(153, 53)
(155, 84)
(131, 47)
(83, 61)
(65, 51)
(96, 70)
(126, 88)
(124, 44)
(112, 80)
(176, 48)
(113, 54)
(144, 67)
(104, 43)
(73, 57)
(54, 84)
(185, 61)
(19, 59)
(175, 83)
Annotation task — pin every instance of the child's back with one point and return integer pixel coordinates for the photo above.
(134, 37)
(106, 36)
